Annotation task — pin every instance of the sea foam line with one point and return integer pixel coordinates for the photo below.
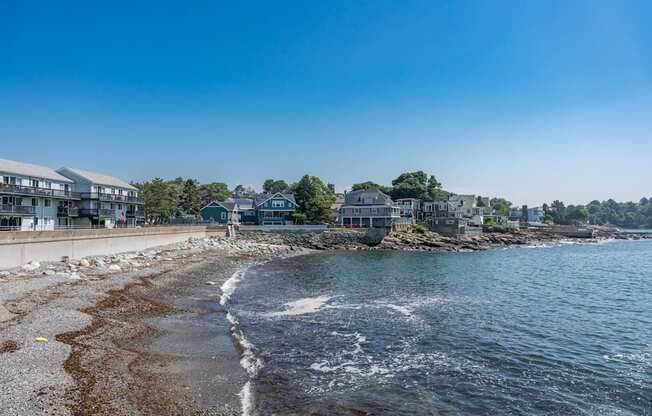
(248, 361)
(231, 284)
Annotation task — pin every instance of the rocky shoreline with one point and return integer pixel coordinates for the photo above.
(144, 332)
(409, 241)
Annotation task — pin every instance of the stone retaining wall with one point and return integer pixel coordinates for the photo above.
(17, 248)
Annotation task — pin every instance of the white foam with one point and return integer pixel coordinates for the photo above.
(359, 340)
(403, 310)
(248, 361)
(231, 285)
(247, 399)
(302, 306)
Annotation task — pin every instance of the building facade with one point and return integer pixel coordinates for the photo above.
(35, 197)
(225, 213)
(105, 201)
(275, 209)
(368, 208)
(534, 215)
(410, 208)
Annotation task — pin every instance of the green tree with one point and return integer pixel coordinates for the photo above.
(576, 214)
(501, 205)
(371, 185)
(215, 191)
(274, 186)
(242, 192)
(410, 185)
(435, 191)
(190, 199)
(314, 198)
(159, 200)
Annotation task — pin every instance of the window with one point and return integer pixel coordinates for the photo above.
(119, 206)
(356, 211)
(374, 211)
(112, 206)
(47, 202)
(223, 215)
(35, 202)
(48, 184)
(278, 203)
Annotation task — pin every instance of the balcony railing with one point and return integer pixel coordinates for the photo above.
(67, 212)
(96, 212)
(135, 214)
(112, 197)
(32, 191)
(17, 209)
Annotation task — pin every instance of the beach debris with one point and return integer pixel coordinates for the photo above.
(31, 266)
(115, 268)
(210, 283)
(41, 340)
(74, 276)
(84, 263)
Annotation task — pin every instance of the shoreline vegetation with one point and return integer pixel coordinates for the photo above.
(147, 332)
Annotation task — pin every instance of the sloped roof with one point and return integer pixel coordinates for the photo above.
(27, 169)
(260, 198)
(98, 178)
(374, 195)
(244, 203)
(228, 205)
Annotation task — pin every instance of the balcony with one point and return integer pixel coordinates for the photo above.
(95, 212)
(112, 197)
(67, 212)
(135, 214)
(32, 191)
(17, 209)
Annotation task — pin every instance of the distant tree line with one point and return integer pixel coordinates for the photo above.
(609, 212)
(167, 199)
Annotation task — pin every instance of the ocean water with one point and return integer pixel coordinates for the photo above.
(564, 330)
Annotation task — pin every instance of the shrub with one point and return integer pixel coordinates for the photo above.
(418, 229)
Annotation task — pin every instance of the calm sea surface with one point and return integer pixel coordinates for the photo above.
(541, 331)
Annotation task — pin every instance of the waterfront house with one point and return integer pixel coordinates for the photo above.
(34, 197)
(534, 215)
(369, 208)
(433, 209)
(246, 210)
(224, 212)
(410, 209)
(453, 226)
(275, 209)
(471, 207)
(106, 201)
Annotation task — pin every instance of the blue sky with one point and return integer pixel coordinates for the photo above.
(533, 101)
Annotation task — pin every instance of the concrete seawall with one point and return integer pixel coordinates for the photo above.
(17, 248)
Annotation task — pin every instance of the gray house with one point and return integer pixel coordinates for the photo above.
(368, 208)
(34, 197)
(105, 201)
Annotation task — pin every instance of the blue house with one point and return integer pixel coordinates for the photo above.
(275, 209)
(225, 212)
